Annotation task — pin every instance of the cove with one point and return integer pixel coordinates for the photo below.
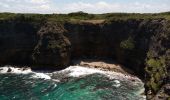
(72, 83)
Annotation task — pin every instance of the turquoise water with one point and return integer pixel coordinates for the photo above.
(94, 86)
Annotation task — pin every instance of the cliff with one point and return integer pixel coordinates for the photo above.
(139, 44)
(25, 42)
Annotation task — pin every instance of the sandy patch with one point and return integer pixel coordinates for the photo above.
(106, 65)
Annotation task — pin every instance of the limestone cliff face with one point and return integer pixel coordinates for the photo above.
(53, 47)
(158, 61)
(17, 41)
(141, 45)
(27, 43)
(124, 41)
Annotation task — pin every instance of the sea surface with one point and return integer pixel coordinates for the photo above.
(72, 83)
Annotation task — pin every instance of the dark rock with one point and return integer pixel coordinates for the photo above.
(33, 44)
(9, 70)
(53, 47)
(17, 40)
(167, 89)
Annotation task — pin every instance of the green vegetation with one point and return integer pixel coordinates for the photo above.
(154, 63)
(84, 16)
(128, 44)
(53, 44)
(157, 71)
(157, 65)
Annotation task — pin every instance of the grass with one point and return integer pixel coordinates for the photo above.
(83, 16)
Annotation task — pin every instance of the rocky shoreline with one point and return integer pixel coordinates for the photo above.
(105, 65)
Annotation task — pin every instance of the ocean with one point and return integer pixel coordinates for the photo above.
(72, 83)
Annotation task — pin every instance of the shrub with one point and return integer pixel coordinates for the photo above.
(128, 44)
(154, 86)
(79, 13)
(157, 77)
(154, 63)
(156, 69)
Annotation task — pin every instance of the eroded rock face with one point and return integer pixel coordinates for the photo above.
(125, 41)
(34, 44)
(17, 41)
(158, 58)
(53, 47)
(141, 45)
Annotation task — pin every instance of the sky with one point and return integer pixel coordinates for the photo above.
(89, 6)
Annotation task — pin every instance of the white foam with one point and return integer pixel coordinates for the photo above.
(117, 83)
(14, 70)
(73, 71)
(41, 75)
(56, 80)
(10, 69)
(77, 71)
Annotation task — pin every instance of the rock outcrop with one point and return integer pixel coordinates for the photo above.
(53, 47)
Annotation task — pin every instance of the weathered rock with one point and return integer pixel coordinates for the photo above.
(157, 62)
(34, 44)
(134, 43)
(9, 70)
(53, 47)
(125, 41)
(17, 41)
(167, 89)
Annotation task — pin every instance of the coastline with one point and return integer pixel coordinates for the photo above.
(104, 65)
(100, 64)
(82, 68)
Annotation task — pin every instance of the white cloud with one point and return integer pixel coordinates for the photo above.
(104, 7)
(51, 6)
(28, 6)
(102, 4)
(39, 1)
(45, 7)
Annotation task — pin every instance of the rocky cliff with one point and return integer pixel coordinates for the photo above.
(53, 48)
(30, 43)
(140, 44)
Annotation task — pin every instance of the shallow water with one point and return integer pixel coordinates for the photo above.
(73, 83)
